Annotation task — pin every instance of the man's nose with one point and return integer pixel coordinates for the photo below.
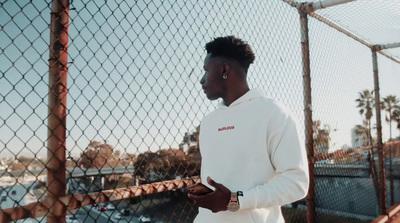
(202, 80)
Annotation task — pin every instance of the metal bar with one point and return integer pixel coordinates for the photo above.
(381, 163)
(309, 142)
(72, 202)
(392, 143)
(381, 219)
(340, 29)
(292, 3)
(391, 216)
(374, 175)
(393, 211)
(395, 59)
(312, 6)
(391, 177)
(328, 3)
(308, 7)
(387, 46)
(342, 153)
(58, 72)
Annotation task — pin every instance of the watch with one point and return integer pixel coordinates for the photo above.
(233, 204)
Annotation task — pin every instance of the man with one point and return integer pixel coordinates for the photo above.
(250, 144)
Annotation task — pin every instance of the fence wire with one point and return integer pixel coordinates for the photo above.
(345, 184)
(134, 107)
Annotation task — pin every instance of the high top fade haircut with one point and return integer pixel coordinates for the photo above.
(232, 48)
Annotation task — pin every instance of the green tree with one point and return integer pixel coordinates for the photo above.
(396, 114)
(390, 104)
(366, 104)
(100, 155)
(165, 164)
(398, 124)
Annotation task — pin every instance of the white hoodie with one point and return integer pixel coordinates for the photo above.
(254, 146)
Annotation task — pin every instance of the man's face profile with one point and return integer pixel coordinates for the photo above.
(212, 81)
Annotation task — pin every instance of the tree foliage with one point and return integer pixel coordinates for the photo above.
(390, 104)
(98, 155)
(167, 164)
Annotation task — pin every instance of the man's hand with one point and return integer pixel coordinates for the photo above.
(215, 201)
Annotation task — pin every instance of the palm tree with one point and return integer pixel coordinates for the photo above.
(366, 103)
(398, 123)
(391, 105)
(396, 117)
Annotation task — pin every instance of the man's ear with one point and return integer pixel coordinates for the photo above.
(226, 68)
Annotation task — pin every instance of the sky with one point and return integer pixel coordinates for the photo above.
(135, 67)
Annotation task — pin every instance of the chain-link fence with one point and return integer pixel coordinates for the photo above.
(101, 103)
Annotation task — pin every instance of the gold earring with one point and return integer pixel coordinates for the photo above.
(225, 76)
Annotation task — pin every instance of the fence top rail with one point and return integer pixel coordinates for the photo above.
(390, 216)
(75, 201)
(343, 153)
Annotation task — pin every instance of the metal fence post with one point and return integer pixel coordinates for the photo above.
(381, 163)
(391, 175)
(58, 72)
(379, 48)
(311, 211)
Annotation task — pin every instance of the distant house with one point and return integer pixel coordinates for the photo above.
(75, 186)
(17, 195)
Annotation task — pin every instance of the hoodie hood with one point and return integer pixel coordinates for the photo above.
(250, 95)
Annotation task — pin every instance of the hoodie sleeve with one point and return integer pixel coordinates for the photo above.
(288, 156)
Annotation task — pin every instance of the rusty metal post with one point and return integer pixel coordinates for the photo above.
(391, 176)
(311, 210)
(381, 161)
(374, 174)
(58, 72)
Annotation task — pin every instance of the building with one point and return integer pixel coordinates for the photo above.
(17, 195)
(359, 136)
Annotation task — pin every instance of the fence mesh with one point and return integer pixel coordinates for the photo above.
(134, 106)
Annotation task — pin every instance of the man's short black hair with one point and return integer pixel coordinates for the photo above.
(232, 48)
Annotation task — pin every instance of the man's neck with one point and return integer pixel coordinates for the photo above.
(234, 95)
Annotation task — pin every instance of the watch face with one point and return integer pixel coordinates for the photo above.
(233, 206)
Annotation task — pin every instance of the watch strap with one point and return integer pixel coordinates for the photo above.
(234, 196)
